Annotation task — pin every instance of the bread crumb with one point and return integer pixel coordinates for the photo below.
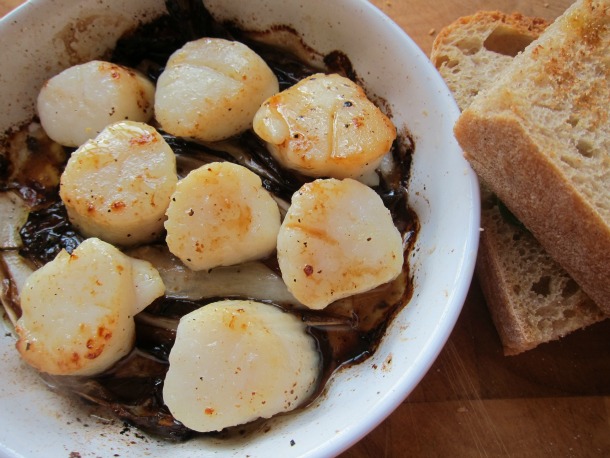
(462, 409)
(546, 4)
(431, 31)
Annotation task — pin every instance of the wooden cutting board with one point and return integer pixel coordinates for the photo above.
(553, 401)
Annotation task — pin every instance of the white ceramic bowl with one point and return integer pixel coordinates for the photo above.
(44, 36)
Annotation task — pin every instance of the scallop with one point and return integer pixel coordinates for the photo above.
(221, 215)
(117, 186)
(75, 105)
(211, 88)
(337, 239)
(78, 309)
(236, 361)
(325, 126)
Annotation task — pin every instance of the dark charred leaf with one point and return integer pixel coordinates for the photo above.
(194, 21)
(204, 153)
(287, 67)
(133, 391)
(48, 231)
(338, 62)
(280, 181)
(5, 168)
(149, 48)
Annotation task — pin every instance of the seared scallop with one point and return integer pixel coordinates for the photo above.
(236, 361)
(338, 239)
(211, 88)
(78, 309)
(325, 126)
(117, 186)
(221, 215)
(75, 105)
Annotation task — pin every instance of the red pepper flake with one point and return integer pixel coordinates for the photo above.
(232, 322)
(308, 270)
(104, 333)
(209, 411)
(358, 121)
(143, 139)
(118, 205)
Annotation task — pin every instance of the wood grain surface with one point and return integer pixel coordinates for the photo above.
(553, 401)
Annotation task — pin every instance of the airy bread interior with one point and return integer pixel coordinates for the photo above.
(539, 138)
(530, 296)
(471, 52)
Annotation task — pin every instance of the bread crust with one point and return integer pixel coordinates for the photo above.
(531, 299)
(540, 195)
(486, 22)
(471, 51)
(506, 144)
(521, 332)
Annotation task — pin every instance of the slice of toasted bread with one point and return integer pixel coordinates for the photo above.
(472, 51)
(540, 138)
(532, 300)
